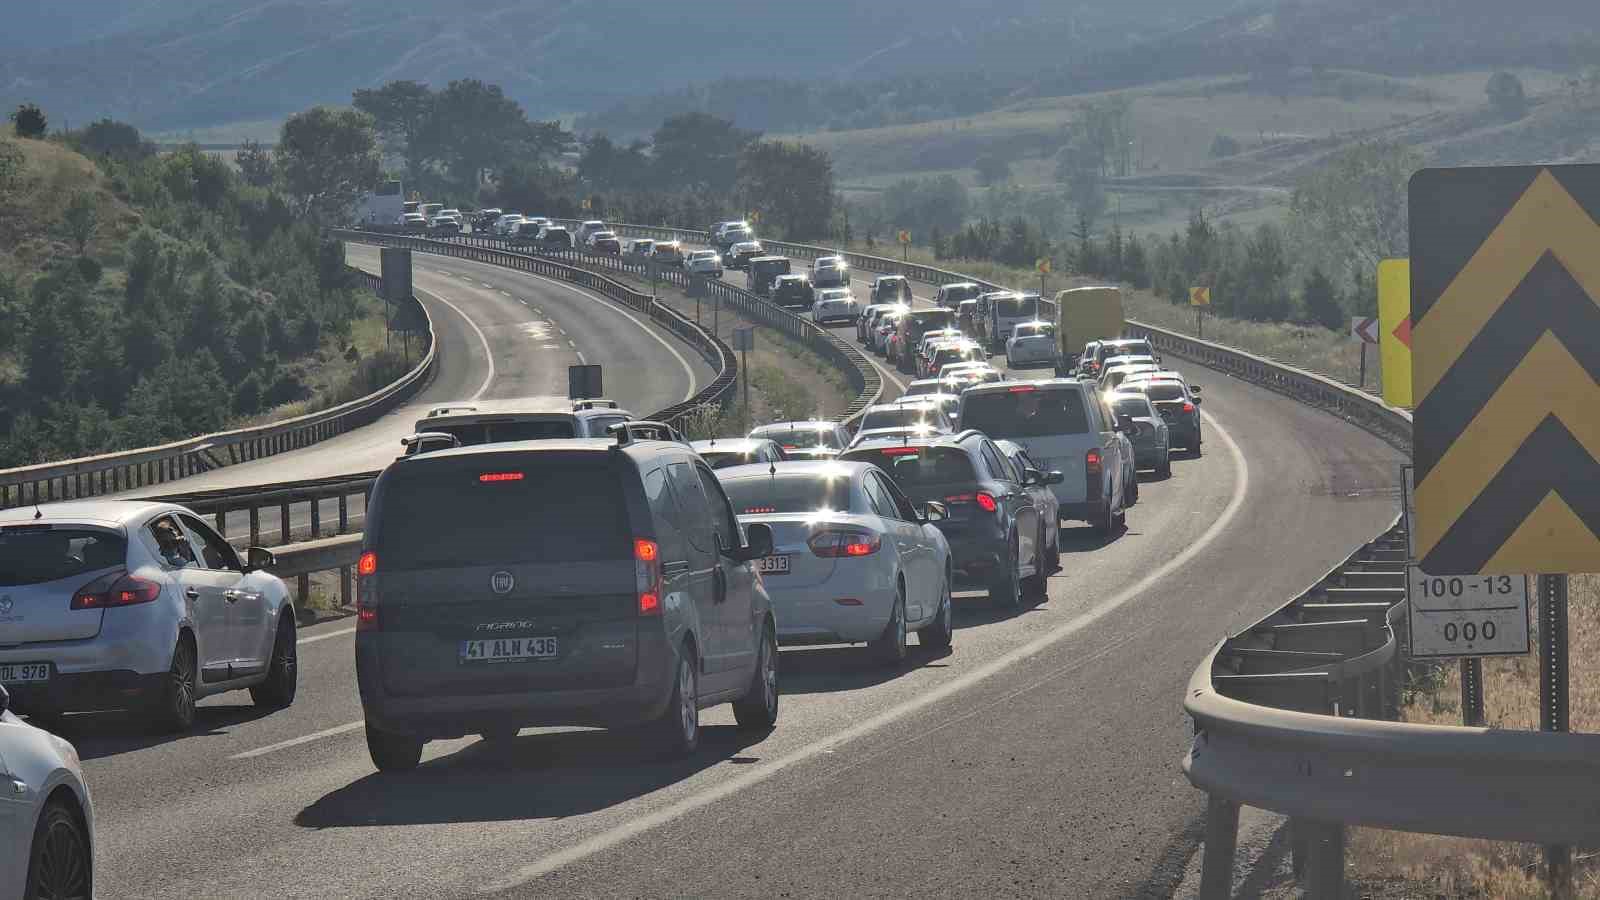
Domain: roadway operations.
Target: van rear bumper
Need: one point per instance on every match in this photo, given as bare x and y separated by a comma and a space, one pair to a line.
454, 715
1083, 512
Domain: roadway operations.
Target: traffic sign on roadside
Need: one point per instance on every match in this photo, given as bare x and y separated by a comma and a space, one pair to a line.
744, 337
1466, 615
1199, 296
1394, 330
1503, 287
905, 237
1365, 328
1043, 265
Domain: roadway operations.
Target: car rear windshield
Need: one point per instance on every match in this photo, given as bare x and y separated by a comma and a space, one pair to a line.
1133, 407
916, 466
502, 509
803, 438
788, 494
915, 390
32, 554
1126, 348
486, 432
726, 459
899, 417
924, 321
1159, 391
1035, 413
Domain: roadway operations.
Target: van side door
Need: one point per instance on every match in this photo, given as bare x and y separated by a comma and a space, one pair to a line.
736, 614
703, 584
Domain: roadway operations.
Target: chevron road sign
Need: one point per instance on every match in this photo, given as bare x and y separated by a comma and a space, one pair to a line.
1505, 294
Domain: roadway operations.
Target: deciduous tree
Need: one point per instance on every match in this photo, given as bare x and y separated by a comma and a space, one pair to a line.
327, 158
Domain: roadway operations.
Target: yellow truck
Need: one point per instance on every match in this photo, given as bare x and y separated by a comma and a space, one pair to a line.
1086, 314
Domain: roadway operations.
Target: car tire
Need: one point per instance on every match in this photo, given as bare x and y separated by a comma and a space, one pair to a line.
1164, 470
890, 647
392, 752
1054, 556
277, 690
677, 729
173, 710
1133, 488
1036, 586
60, 861
757, 710
1006, 591
1195, 450
1104, 520
941, 634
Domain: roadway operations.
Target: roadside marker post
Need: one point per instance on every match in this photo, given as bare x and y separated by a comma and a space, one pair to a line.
1365, 330
1200, 299
905, 245
1394, 330
1043, 264
744, 340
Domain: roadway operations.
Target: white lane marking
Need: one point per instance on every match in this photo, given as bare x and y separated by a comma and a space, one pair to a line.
322, 637
295, 742
581, 360
487, 284
688, 370
757, 774
572, 345
560, 329
483, 339
506, 293
522, 301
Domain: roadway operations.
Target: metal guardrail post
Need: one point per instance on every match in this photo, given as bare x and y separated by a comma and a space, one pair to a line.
344, 513
1325, 860
316, 517
1222, 840
1472, 691
255, 526
283, 521
1553, 704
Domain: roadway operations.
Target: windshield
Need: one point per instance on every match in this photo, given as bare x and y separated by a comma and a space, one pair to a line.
38, 554
923, 321
793, 493
1158, 391
509, 520
899, 417
1130, 406
917, 466
1008, 307
1025, 413
802, 438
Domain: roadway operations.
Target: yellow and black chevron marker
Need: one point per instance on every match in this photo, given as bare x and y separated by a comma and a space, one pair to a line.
1505, 296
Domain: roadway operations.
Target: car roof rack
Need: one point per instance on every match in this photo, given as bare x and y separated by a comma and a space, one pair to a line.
447, 409
594, 403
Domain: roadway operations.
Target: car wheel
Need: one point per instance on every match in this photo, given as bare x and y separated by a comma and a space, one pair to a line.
941, 633
678, 728
1006, 591
890, 647
757, 710
1133, 488
1053, 557
1104, 521
60, 863
174, 703
393, 752
1035, 586
1195, 450
1165, 469
277, 690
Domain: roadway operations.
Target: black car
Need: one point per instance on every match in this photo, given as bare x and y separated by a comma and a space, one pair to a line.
634, 600
1179, 405
996, 534
790, 291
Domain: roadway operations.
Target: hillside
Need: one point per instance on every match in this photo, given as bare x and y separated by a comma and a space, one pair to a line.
178, 64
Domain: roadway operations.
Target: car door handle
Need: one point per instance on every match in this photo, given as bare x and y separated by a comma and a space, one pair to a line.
191, 593
233, 596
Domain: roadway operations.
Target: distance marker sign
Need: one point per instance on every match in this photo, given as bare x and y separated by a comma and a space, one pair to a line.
1505, 276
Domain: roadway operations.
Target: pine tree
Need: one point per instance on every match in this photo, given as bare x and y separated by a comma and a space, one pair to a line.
1321, 299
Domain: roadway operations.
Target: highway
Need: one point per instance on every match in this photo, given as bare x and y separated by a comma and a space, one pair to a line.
1037, 758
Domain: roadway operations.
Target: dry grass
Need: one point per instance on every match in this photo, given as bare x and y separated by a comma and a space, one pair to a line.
1396, 864
31, 233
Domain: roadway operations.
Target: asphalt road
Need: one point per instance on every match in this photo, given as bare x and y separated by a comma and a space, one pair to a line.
502, 334
1038, 758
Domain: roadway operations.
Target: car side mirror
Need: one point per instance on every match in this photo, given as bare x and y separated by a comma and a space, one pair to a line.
1194, 388
1032, 477
258, 558
1196, 401
1124, 423
934, 511
758, 543
1054, 477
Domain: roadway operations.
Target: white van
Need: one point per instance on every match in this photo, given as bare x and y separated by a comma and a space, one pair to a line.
1065, 426
528, 419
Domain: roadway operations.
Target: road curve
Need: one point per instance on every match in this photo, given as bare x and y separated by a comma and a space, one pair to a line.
501, 334
1037, 758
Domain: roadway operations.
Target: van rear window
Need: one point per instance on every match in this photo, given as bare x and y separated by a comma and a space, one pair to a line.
531, 508
36, 555
1035, 413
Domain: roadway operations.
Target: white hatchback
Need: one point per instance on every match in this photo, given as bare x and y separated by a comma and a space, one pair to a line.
46, 816
853, 559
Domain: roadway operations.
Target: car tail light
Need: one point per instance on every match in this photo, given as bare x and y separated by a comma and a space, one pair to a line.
1188, 407
836, 544
1091, 462
367, 565
496, 477
367, 592
116, 589
901, 451
1022, 389
647, 576
986, 501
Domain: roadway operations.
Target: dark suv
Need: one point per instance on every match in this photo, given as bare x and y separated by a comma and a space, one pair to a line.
790, 291
560, 582
996, 536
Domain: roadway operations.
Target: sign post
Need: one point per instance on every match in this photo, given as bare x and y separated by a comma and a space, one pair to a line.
905, 244
1043, 264
1365, 330
744, 340
1506, 482
1200, 299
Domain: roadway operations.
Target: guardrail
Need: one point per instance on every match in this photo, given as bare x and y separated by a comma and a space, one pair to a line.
861, 374
123, 470
719, 392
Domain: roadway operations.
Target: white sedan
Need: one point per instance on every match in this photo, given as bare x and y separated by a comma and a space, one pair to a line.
853, 559
46, 817
834, 305
705, 262
1031, 344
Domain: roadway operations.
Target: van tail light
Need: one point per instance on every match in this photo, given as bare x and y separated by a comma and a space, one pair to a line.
116, 589
1188, 407
836, 544
647, 575
367, 592
1091, 462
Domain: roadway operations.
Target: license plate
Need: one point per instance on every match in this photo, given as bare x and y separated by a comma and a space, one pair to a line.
16, 673
773, 565
497, 650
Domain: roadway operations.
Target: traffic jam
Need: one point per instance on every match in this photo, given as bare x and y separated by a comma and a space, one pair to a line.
669, 573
